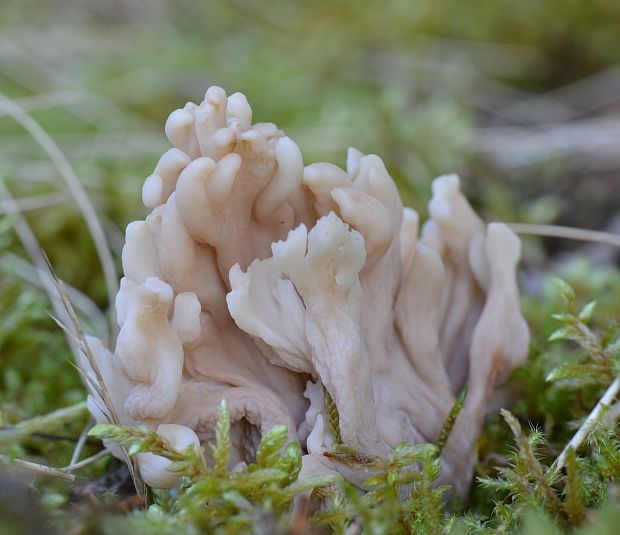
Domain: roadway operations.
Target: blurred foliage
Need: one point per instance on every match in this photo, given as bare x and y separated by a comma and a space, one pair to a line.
411, 81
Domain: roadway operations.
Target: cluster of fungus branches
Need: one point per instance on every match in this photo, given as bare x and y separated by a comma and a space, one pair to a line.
285, 288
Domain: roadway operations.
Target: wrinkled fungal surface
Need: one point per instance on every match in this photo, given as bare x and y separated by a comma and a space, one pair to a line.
270, 284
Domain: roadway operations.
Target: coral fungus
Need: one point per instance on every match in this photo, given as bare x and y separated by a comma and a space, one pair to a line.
271, 284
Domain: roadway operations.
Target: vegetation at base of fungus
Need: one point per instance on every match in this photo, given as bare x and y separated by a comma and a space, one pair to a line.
519, 490
213, 497
402, 496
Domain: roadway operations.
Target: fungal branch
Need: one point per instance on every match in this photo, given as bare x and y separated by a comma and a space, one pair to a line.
277, 286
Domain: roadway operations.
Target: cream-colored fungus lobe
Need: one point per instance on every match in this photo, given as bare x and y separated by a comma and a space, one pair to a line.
267, 283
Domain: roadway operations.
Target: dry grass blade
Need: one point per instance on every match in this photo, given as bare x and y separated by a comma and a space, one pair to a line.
41, 423
64, 473
81, 441
39, 469
53, 99
75, 187
37, 275
570, 233
614, 388
31, 245
586, 427
34, 202
99, 384
86, 462
101, 109
80, 336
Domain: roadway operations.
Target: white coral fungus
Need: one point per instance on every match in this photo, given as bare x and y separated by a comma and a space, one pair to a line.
267, 283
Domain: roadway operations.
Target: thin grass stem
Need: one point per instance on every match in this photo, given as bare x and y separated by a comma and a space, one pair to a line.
77, 191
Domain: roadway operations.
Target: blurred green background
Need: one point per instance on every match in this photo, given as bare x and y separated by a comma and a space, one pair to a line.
520, 98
